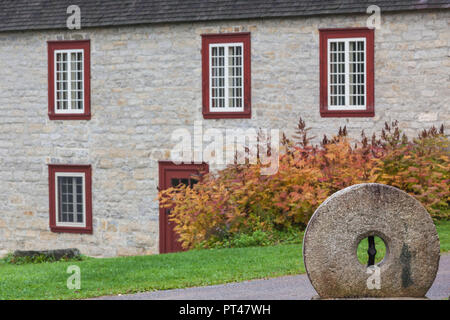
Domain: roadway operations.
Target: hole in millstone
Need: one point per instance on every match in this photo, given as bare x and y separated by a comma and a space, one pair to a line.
367, 255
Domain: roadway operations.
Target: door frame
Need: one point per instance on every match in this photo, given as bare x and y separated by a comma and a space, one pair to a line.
163, 168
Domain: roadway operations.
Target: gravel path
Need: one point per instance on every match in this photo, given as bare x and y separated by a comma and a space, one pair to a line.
282, 288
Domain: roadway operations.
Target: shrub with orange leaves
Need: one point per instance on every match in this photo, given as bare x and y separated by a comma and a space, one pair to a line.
420, 167
239, 200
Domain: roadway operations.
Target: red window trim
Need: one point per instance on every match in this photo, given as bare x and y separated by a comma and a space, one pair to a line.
326, 34
163, 166
86, 169
67, 45
207, 39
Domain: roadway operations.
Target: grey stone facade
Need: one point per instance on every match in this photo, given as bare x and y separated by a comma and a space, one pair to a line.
146, 82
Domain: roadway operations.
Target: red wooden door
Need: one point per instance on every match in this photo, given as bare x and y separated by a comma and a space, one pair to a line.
171, 175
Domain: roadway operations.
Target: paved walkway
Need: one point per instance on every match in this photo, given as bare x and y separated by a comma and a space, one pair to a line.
282, 288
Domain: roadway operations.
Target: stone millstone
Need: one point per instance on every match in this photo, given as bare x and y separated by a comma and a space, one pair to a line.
55, 254
351, 215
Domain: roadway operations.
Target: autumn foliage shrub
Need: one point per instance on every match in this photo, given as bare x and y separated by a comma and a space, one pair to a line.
239, 201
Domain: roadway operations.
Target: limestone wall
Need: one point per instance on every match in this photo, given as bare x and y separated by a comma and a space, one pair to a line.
146, 82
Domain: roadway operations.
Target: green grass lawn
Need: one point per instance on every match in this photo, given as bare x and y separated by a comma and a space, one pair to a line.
443, 229
364, 245
158, 272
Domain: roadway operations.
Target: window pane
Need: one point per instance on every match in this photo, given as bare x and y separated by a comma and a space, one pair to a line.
70, 199
346, 75
337, 73
193, 182
217, 74
61, 78
175, 182
226, 77
69, 80
235, 77
356, 73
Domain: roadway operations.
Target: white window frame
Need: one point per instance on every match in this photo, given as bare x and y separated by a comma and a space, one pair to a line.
347, 105
69, 110
226, 84
70, 224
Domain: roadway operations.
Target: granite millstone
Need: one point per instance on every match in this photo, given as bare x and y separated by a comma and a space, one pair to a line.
352, 214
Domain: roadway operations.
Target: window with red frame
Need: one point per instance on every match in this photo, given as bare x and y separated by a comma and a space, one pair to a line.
70, 194
69, 80
226, 75
347, 72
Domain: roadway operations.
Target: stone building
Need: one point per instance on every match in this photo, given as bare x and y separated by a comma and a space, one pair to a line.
89, 115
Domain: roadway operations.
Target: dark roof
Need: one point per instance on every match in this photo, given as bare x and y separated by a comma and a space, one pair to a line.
51, 14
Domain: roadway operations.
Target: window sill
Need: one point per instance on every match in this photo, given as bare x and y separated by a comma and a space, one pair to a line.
227, 115
346, 113
71, 229
69, 116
